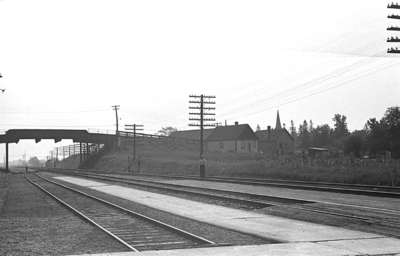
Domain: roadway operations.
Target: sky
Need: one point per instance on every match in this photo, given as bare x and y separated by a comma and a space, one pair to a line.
65, 63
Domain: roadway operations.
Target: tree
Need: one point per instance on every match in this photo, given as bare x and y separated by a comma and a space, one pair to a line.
258, 128
293, 131
166, 131
340, 124
304, 135
34, 162
355, 143
376, 136
391, 125
340, 132
321, 136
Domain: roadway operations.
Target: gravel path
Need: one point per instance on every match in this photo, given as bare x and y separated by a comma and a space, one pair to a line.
32, 223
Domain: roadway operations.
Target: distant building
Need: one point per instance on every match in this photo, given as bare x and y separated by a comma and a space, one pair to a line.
317, 152
232, 138
275, 142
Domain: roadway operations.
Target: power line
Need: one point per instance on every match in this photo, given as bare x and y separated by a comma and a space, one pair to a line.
326, 89
306, 85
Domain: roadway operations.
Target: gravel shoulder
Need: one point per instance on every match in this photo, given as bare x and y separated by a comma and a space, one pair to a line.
32, 223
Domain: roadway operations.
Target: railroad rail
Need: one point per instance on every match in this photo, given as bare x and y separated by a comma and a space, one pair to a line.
358, 189
135, 231
388, 218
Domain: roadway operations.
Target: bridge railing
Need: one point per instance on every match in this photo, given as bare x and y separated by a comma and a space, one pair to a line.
101, 131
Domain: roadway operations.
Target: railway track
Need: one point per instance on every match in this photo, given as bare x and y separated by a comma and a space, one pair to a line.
387, 218
135, 231
344, 188
390, 219
358, 189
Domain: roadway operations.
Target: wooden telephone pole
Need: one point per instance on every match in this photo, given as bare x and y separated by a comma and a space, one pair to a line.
134, 128
393, 39
116, 108
201, 103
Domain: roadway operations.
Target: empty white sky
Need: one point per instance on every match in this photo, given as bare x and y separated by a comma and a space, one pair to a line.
66, 62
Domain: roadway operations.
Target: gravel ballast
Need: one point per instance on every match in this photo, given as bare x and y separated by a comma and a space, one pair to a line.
33, 223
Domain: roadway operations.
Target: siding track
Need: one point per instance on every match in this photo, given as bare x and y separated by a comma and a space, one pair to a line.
136, 231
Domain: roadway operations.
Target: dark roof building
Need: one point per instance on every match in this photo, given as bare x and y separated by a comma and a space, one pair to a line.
232, 138
232, 132
191, 134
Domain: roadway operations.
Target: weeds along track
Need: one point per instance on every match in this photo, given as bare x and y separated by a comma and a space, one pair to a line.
136, 231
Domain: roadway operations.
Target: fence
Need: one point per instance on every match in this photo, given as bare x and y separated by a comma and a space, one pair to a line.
64, 152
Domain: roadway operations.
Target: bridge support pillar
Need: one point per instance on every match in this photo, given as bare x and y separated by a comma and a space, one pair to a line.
7, 157
80, 152
87, 150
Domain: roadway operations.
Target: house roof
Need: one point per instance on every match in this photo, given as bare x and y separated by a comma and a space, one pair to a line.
232, 132
191, 134
263, 134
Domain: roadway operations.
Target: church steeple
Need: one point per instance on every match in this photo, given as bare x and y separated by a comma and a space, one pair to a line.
278, 125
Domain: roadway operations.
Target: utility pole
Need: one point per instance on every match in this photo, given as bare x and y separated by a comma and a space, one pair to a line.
116, 108
134, 128
200, 104
391, 40
2, 89
56, 160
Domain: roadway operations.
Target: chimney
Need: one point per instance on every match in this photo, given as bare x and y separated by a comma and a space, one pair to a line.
236, 123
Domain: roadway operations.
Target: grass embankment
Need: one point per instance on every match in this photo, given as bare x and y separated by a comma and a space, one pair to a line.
174, 162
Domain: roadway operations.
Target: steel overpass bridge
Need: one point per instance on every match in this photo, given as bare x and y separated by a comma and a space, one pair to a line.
77, 136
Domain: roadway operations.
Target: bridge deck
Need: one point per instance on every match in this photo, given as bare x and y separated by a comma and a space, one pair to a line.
14, 135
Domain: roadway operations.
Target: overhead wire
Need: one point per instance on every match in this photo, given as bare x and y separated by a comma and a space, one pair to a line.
308, 84
370, 72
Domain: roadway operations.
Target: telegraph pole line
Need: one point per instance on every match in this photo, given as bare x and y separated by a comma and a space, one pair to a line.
201, 104
116, 108
134, 128
392, 39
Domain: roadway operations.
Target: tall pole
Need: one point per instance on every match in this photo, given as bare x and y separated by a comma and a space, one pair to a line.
7, 157
199, 116
393, 41
201, 125
2, 90
55, 161
116, 108
134, 128
80, 152
134, 142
